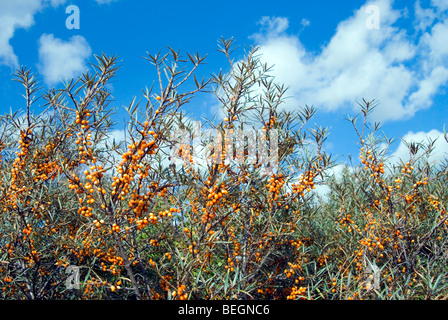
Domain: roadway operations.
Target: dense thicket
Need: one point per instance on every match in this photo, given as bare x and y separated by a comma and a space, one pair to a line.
139, 227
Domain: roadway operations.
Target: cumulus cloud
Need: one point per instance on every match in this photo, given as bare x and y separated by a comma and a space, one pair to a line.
403, 72
424, 17
56, 3
441, 5
336, 172
14, 15
61, 60
438, 155
100, 2
18, 14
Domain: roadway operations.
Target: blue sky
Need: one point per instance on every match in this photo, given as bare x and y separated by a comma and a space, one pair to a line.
323, 50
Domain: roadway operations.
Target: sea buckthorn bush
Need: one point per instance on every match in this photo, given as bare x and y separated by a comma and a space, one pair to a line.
140, 226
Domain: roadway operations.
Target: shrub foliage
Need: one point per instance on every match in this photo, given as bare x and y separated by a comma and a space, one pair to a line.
139, 227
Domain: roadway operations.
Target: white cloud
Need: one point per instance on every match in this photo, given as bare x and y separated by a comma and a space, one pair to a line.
118, 135
428, 87
441, 5
435, 42
439, 153
61, 60
14, 15
56, 3
17, 14
336, 172
305, 22
100, 2
425, 17
401, 72
274, 26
